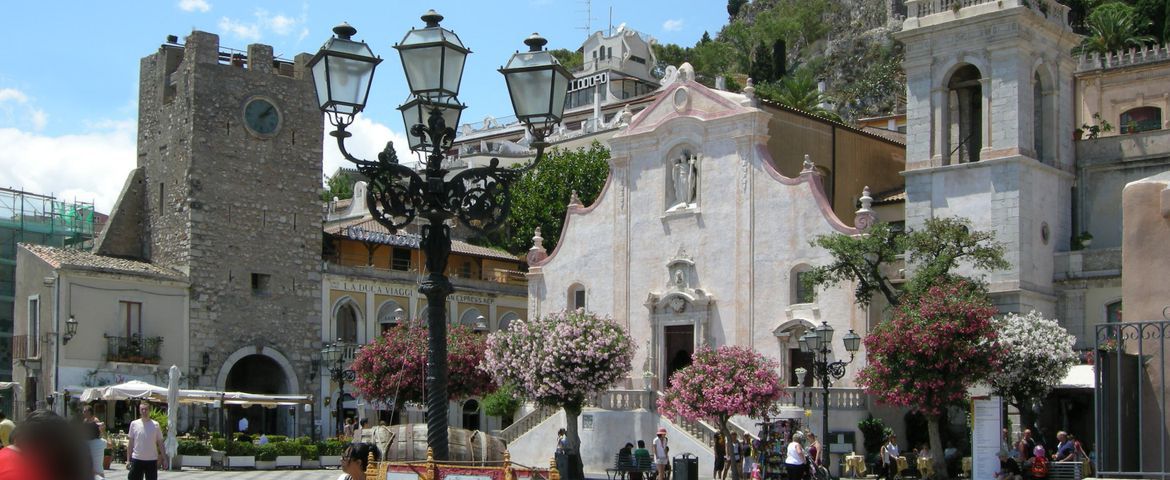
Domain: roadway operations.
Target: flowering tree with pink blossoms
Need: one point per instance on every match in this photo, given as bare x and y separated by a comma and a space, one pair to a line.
936, 346
393, 367
560, 360
721, 383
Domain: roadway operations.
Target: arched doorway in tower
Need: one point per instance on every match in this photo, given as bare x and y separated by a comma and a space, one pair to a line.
258, 374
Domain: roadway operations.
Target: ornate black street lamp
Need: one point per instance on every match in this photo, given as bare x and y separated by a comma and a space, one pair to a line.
819, 342
336, 355
433, 58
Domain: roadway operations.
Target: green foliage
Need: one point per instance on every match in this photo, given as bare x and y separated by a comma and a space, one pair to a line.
194, 447
160, 417
934, 251
541, 197
303, 440
800, 91
266, 452
874, 432
733, 8
331, 447
241, 449
1114, 26
1155, 13
277, 438
502, 402
571, 59
219, 444
340, 185
309, 452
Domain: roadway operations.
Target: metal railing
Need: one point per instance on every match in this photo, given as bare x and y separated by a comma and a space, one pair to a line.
1131, 399
133, 349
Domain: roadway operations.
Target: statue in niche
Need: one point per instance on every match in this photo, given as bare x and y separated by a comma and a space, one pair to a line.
680, 279
685, 174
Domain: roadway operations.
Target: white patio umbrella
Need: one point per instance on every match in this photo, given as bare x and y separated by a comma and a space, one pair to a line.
172, 444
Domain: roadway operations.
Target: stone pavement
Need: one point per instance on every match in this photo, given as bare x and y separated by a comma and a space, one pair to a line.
116, 473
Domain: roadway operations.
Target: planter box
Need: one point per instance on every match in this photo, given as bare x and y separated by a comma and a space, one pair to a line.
293, 461
265, 464
306, 463
203, 461
330, 461
240, 462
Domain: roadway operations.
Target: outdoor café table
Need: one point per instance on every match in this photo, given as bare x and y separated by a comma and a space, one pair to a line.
967, 466
925, 468
902, 465
856, 464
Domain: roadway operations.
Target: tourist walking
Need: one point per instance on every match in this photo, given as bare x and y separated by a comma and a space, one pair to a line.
92, 431
720, 456
890, 457
347, 430
661, 453
795, 459
145, 453
1065, 450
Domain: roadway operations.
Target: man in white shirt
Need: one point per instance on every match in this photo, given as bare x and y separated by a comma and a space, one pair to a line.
661, 450
145, 453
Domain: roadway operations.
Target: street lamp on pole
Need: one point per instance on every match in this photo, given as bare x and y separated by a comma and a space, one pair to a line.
336, 355
433, 59
819, 342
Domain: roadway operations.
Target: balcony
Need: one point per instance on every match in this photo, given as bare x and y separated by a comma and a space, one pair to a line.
20, 348
133, 349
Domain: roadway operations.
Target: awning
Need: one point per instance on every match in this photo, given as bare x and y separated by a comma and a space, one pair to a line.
136, 390
1079, 376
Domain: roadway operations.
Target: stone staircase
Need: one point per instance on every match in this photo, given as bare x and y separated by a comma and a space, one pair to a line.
526, 423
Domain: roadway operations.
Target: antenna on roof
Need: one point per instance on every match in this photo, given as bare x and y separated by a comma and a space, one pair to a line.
588, 17
610, 21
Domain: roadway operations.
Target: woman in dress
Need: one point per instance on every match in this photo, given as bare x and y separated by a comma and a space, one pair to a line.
92, 430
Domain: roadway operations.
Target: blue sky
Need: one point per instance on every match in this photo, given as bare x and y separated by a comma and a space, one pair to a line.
69, 74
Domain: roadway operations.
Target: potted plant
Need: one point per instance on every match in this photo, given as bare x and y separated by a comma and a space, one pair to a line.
288, 454
218, 448
240, 455
108, 458
266, 456
1082, 241
330, 452
193, 453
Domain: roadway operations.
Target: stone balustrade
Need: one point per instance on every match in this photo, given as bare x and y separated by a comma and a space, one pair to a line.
1124, 58
839, 398
523, 424
917, 9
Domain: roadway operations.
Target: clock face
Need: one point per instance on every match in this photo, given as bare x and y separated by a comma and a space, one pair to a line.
262, 117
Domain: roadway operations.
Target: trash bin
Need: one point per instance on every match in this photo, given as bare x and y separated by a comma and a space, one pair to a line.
686, 467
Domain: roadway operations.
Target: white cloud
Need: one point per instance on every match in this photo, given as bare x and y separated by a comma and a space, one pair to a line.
12, 95
672, 25
266, 22
89, 166
194, 5
246, 31
369, 138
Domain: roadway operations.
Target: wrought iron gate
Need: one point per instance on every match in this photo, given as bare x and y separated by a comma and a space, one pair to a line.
1133, 436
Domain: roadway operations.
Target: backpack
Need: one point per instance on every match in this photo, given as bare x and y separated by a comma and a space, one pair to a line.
1039, 467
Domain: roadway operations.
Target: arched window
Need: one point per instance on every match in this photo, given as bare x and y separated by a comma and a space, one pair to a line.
471, 415
1043, 113
506, 320
964, 125
390, 315
1141, 119
346, 320
801, 291
576, 296
422, 315
473, 319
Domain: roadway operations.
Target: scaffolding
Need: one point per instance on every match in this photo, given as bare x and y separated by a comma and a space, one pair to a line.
40, 219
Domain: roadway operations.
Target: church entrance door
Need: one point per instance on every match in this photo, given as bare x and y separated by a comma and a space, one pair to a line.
680, 345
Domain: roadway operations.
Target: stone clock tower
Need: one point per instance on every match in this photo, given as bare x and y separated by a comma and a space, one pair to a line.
226, 191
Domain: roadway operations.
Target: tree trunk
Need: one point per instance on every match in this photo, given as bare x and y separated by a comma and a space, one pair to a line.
736, 470
1028, 419
936, 448
573, 461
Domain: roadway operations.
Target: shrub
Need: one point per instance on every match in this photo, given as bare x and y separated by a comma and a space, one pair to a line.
194, 447
331, 447
309, 452
287, 448
218, 444
277, 438
241, 449
266, 452
303, 440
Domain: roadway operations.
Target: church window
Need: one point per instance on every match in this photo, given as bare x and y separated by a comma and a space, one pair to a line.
964, 125
577, 296
1141, 119
802, 290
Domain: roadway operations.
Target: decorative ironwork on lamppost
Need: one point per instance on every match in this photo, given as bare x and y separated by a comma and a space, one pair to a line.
433, 59
819, 342
336, 355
